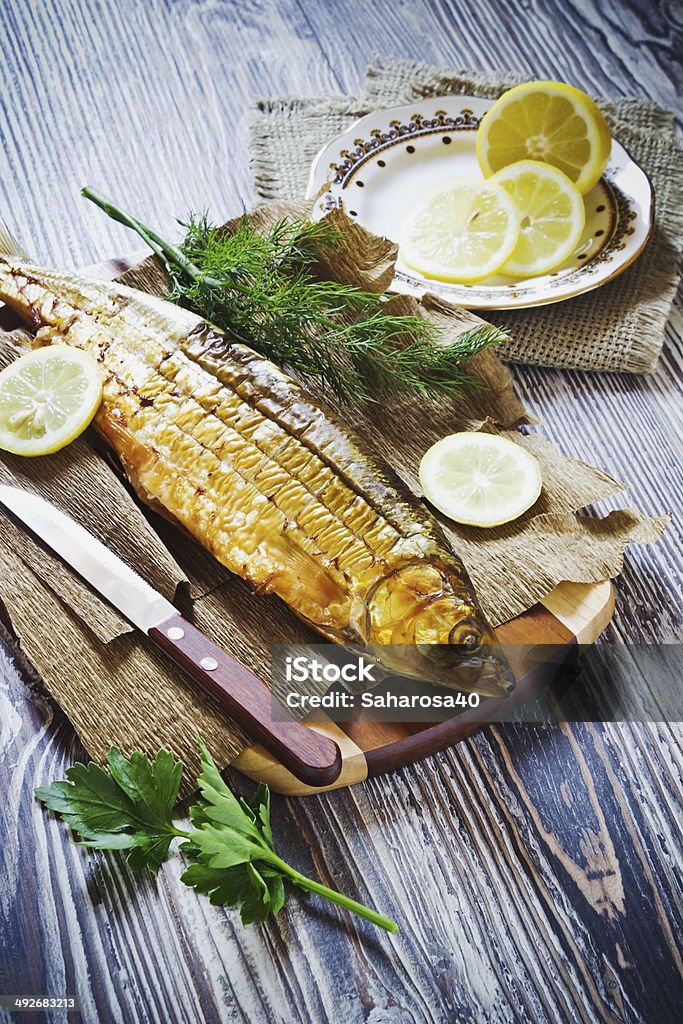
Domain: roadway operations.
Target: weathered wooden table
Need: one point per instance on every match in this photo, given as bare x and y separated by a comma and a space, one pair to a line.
535, 871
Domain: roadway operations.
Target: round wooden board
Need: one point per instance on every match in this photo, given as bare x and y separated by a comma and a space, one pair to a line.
573, 613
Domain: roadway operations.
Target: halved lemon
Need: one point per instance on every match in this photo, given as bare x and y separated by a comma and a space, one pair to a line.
547, 121
553, 215
47, 398
480, 479
463, 230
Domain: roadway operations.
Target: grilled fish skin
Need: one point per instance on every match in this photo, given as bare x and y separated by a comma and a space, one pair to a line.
267, 478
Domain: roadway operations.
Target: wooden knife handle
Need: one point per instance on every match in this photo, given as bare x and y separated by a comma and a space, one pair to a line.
313, 758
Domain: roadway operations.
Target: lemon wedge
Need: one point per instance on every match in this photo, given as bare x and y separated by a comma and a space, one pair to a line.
547, 121
480, 479
553, 215
463, 230
47, 398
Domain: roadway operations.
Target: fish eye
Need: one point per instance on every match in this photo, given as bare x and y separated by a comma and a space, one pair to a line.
466, 636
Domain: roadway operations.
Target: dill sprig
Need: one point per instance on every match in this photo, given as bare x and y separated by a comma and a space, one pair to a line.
262, 288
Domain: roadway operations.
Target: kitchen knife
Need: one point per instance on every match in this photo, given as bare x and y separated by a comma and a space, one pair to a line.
313, 758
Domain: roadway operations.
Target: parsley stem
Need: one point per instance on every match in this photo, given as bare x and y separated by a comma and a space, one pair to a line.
335, 897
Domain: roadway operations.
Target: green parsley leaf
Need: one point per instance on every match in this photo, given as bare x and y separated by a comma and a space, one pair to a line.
220, 806
256, 905
258, 893
261, 804
127, 808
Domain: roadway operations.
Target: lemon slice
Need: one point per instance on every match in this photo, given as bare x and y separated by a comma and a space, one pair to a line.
553, 215
547, 121
480, 479
47, 398
463, 231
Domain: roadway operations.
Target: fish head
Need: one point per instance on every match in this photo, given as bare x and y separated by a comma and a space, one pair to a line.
428, 615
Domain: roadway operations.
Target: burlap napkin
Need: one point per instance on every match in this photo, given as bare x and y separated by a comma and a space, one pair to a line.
621, 325
109, 680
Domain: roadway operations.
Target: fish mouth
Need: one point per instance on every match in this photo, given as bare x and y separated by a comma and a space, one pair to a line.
494, 673
487, 673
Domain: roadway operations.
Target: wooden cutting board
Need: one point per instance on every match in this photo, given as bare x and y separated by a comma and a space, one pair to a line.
573, 613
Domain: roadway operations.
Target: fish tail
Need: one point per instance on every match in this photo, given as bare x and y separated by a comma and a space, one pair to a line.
9, 246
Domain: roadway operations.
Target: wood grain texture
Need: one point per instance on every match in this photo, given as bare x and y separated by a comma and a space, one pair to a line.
536, 871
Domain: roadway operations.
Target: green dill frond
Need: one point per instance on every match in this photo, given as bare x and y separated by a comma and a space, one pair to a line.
260, 286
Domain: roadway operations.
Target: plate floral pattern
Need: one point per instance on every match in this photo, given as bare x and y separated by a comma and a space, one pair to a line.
383, 164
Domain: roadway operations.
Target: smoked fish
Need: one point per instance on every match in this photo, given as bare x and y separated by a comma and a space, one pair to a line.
266, 478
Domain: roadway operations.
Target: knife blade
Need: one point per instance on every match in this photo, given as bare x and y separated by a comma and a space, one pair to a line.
310, 756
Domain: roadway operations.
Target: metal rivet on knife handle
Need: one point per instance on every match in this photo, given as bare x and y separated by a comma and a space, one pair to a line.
313, 758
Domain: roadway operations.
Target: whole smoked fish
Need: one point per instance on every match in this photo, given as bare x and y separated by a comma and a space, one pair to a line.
266, 478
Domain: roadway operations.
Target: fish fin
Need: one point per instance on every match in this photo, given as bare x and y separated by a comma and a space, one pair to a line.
9, 246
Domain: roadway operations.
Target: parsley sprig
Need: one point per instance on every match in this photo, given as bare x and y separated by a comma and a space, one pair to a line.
231, 850
262, 287
127, 808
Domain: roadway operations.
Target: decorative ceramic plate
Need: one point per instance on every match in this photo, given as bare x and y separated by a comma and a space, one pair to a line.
380, 168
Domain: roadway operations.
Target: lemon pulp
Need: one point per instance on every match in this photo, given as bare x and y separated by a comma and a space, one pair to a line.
480, 479
553, 216
547, 121
47, 398
463, 231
